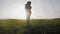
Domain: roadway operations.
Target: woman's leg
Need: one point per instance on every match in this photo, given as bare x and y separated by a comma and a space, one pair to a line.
28, 17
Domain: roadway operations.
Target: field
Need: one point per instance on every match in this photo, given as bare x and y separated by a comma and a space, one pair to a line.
37, 26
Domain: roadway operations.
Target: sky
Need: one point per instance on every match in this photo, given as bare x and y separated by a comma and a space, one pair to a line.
41, 9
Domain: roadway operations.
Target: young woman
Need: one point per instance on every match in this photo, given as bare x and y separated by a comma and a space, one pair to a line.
28, 10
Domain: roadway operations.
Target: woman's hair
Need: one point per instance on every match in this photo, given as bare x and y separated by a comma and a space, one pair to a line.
29, 2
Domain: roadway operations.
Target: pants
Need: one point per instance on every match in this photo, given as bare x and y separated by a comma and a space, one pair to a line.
28, 14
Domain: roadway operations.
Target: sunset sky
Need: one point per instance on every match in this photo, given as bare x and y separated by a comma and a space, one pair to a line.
41, 9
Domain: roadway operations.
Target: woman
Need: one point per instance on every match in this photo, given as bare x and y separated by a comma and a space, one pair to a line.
28, 10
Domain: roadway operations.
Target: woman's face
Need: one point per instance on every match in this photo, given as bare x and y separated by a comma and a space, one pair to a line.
29, 3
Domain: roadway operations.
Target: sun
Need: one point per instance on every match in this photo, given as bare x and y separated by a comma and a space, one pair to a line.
22, 13
19, 12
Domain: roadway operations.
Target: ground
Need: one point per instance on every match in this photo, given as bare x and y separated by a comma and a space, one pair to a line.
37, 26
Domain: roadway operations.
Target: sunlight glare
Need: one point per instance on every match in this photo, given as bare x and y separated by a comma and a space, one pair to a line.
20, 13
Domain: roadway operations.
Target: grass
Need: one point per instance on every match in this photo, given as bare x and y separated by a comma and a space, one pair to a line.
37, 26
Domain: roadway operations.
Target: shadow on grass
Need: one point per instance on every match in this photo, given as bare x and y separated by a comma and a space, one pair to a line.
44, 29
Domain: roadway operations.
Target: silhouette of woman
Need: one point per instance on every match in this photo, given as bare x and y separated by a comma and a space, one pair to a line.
28, 10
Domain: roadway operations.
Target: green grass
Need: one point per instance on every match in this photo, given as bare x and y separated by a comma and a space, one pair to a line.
17, 26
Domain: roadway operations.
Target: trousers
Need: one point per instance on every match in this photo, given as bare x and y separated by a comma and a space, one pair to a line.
28, 14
